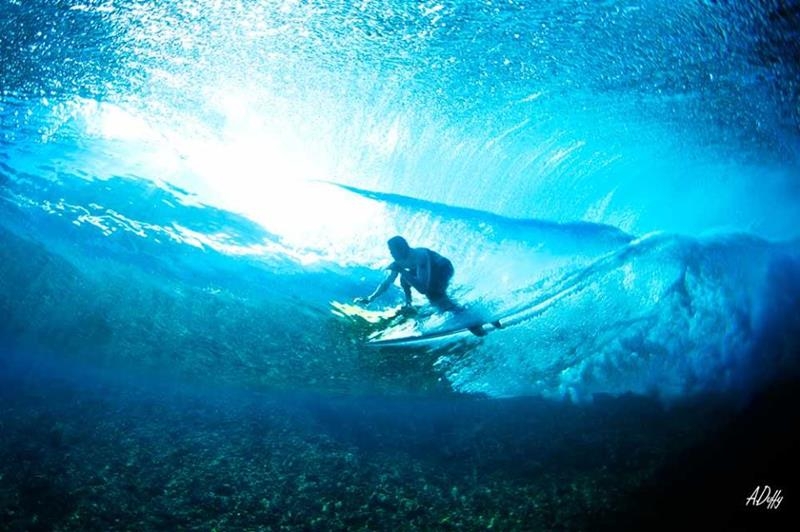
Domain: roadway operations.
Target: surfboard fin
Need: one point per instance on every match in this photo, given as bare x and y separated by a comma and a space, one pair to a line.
477, 330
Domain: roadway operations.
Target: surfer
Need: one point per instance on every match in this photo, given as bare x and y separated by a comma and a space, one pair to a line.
421, 268
428, 273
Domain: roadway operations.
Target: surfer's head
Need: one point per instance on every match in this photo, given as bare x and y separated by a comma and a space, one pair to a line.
398, 247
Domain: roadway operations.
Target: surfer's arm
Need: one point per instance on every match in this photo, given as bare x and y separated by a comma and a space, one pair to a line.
407, 292
391, 275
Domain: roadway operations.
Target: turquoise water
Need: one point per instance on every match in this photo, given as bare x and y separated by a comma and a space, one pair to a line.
185, 186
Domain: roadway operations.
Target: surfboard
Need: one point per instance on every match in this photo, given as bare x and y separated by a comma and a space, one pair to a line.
395, 327
446, 333
466, 324
432, 326
399, 321
364, 315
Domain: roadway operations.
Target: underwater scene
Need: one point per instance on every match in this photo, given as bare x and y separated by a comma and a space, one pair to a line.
202, 326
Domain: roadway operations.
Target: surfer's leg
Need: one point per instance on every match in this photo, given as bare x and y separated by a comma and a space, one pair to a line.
437, 294
443, 303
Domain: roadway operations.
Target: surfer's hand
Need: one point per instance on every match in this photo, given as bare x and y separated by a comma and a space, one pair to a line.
363, 300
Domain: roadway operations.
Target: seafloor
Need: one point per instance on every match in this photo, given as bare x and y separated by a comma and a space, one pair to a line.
88, 450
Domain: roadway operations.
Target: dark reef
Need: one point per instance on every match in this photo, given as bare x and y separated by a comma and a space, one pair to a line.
89, 450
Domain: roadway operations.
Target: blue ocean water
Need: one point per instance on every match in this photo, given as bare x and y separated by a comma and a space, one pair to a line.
186, 185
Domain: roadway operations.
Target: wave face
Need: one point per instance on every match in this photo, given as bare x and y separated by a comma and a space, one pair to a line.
186, 185
215, 296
